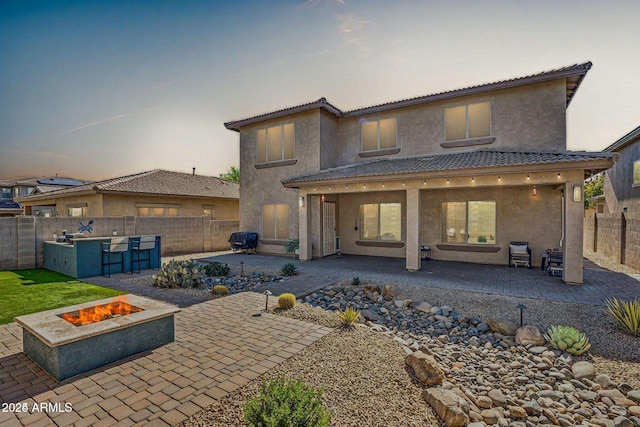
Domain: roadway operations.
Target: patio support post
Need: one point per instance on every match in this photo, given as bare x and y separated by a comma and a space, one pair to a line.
573, 217
412, 239
304, 227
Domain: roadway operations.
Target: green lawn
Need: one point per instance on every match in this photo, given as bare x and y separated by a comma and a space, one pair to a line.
31, 291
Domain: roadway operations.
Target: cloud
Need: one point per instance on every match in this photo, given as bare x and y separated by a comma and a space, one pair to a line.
310, 4
90, 124
161, 85
352, 29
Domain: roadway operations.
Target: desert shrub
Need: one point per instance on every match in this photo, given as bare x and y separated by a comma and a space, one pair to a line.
220, 290
178, 274
216, 269
286, 301
292, 246
349, 317
567, 339
289, 269
286, 403
626, 314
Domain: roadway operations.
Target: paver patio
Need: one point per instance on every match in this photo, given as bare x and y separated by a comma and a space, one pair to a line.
219, 347
599, 284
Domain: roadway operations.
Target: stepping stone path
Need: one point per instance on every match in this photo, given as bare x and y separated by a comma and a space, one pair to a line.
487, 379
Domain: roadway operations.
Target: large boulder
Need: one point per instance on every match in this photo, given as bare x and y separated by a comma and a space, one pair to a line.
503, 326
450, 407
425, 367
529, 335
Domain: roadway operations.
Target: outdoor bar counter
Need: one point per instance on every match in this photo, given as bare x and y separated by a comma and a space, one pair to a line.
82, 257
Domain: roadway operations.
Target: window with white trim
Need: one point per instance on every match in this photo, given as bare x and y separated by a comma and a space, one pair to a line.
276, 143
381, 221
469, 222
378, 134
467, 121
275, 222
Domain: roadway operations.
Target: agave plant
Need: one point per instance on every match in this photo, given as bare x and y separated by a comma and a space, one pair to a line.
348, 317
626, 314
567, 339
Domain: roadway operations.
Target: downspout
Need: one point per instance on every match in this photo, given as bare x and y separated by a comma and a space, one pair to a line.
563, 221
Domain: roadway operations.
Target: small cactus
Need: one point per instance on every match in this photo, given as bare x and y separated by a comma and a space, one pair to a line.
567, 339
220, 290
355, 281
178, 274
286, 301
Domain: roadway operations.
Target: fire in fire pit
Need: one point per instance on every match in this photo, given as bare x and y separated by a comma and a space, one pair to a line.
98, 313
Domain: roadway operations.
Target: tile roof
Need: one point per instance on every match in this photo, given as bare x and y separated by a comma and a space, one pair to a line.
478, 159
574, 74
158, 182
632, 136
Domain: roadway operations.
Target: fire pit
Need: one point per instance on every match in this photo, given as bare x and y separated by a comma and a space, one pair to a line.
68, 341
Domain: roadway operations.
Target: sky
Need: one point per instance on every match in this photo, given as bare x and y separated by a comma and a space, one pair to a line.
99, 89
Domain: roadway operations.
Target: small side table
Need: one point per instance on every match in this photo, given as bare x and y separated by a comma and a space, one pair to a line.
425, 251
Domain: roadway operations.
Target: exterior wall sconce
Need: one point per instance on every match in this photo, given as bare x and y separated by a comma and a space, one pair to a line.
425, 182
558, 175
301, 201
364, 185
403, 183
448, 180
322, 198
534, 192
521, 307
383, 185
473, 179
499, 178
577, 193
528, 177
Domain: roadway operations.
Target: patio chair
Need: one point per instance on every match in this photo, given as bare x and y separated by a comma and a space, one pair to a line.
142, 245
519, 254
118, 246
555, 262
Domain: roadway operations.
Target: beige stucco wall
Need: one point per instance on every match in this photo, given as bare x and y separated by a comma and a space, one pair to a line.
126, 205
532, 116
349, 215
263, 186
519, 217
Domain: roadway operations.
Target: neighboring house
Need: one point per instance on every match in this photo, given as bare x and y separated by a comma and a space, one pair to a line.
153, 193
464, 172
14, 188
622, 181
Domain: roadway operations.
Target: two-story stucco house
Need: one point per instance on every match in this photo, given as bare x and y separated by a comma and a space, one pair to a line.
465, 172
622, 181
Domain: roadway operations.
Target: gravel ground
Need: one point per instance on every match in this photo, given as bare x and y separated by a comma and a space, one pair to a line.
608, 263
362, 374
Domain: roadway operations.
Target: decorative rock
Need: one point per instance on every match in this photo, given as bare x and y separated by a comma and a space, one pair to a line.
490, 416
498, 398
532, 408
503, 326
425, 367
606, 382
484, 402
583, 370
476, 424
450, 407
517, 412
622, 422
370, 315
611, 394
529, 335
634, 395
634, 410
422, 306
538, 350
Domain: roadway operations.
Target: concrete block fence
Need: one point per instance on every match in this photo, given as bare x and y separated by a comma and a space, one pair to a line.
615, 235
22, 238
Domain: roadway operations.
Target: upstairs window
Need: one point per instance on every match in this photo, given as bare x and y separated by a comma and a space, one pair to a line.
275, 222
467, 121
378, 134
6, 192
276, 143
636, 172
469, 222
381, 221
